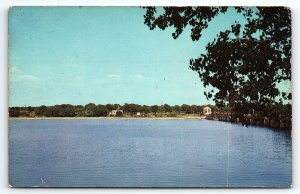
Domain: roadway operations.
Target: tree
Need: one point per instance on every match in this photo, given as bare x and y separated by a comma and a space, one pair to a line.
41, 110
109, 107
145, 109
167, 108
30, 109
116, 106
79, 111
90, 109
14, 111
194, 109
100, 110
199, 109
65, 110
244, 63
155, 109
132, 108
119, 113
186, 108
177, 108
52, 111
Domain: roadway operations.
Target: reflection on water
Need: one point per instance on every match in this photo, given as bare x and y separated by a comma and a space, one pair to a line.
147, 153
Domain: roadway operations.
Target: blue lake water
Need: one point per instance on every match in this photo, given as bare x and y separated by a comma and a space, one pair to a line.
147, 153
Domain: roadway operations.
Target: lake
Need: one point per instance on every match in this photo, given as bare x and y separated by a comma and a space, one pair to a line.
147, 153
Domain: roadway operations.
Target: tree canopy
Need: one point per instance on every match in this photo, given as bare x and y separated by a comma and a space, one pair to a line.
100, 110
245, 63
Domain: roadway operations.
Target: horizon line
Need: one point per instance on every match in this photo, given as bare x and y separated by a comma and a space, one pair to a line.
113, 104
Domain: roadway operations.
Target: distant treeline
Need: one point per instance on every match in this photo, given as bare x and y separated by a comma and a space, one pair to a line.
277, 114
93, 110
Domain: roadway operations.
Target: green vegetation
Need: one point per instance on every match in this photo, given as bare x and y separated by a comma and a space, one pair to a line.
276, 115
93, 110
246, 63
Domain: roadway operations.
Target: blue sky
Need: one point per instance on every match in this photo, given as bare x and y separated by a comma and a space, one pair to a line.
78, 55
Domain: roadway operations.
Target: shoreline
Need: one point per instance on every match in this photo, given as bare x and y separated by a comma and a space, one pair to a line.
105, 118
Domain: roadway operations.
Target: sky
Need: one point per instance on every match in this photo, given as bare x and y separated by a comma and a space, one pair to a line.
102, 55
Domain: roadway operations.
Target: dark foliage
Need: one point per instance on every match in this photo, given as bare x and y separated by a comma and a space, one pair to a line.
244, 63
93, 110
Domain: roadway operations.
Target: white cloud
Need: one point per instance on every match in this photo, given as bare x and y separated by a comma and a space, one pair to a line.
14, 70
17, 75
139, 77
113, 76
28, 77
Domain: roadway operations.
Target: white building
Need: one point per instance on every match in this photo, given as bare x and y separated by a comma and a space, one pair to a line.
206, 111
114, 112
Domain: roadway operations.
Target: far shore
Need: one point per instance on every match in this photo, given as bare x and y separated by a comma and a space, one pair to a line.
103, 118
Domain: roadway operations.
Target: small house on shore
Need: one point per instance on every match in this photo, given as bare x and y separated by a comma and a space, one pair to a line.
206, 111
115, 112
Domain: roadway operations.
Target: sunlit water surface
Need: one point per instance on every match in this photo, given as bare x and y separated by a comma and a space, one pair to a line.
147, 153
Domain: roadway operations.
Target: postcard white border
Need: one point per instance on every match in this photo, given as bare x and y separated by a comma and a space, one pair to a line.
5, 4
